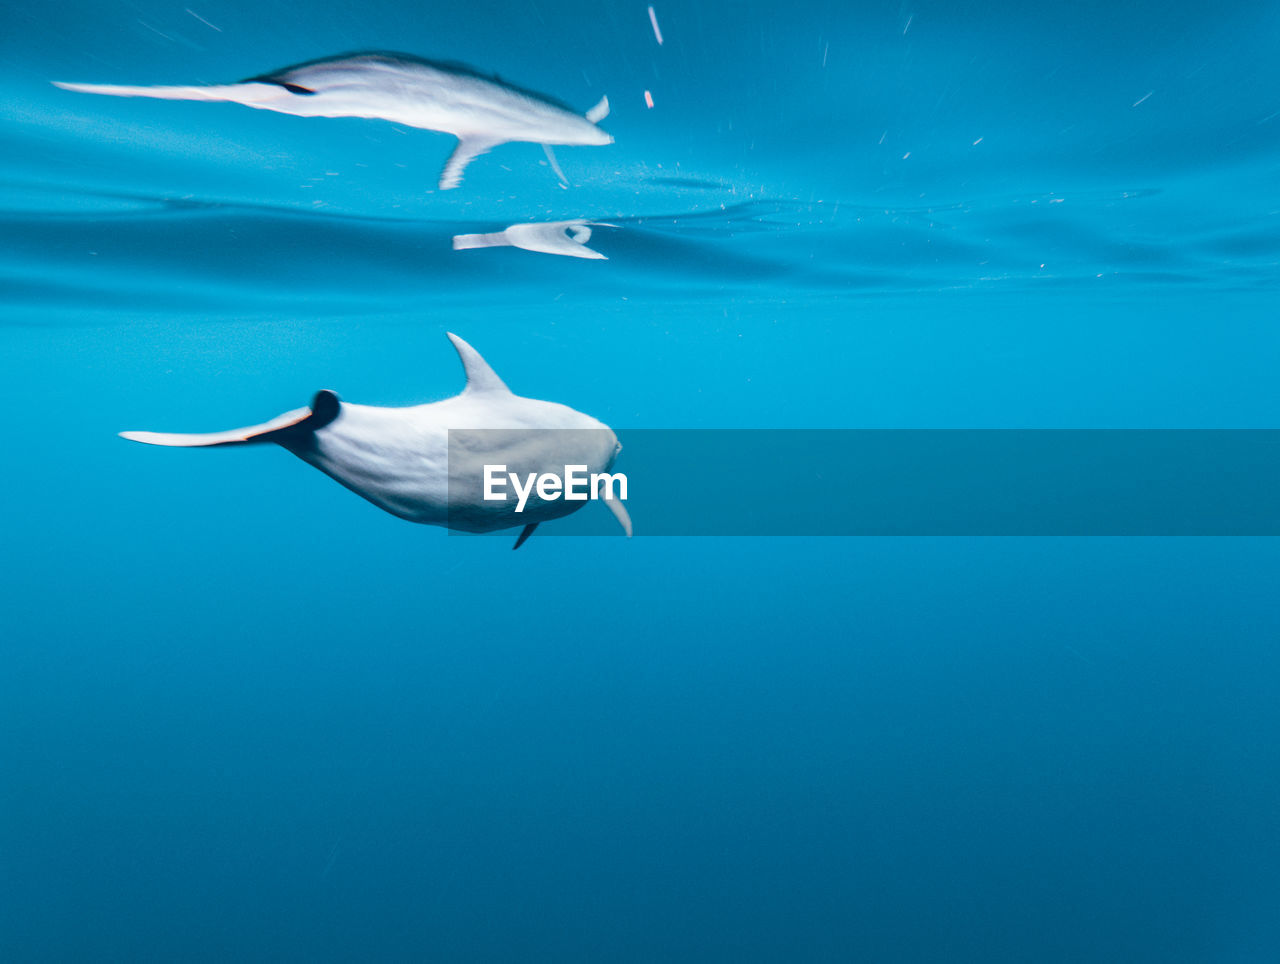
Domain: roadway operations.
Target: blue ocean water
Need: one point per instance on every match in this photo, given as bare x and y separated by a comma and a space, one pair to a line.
246, 716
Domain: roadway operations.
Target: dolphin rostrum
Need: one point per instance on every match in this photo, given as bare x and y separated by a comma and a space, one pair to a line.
482, 112
429, 463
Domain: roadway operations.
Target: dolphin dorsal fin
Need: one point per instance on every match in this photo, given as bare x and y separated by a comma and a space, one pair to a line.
468, 149
480, 377
599, 112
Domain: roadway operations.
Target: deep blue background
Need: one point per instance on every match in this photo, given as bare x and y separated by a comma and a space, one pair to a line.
245, 716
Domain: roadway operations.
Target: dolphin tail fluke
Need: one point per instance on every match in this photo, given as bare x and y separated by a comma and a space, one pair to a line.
247, 93
599, 112
468, 149
525, 533
324, 409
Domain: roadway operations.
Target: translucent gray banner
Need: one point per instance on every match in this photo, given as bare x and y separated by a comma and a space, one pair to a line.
708, 482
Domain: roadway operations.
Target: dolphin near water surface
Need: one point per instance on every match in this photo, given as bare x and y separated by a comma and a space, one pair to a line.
482, 112
567, 238
405, 461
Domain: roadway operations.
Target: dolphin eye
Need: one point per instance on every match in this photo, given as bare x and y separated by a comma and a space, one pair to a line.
297, 89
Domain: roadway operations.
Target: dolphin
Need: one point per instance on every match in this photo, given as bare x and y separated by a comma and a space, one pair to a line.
482, 112
406, 461
568, 238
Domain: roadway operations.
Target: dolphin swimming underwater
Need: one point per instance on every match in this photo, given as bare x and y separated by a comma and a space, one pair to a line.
482, 112
400, 458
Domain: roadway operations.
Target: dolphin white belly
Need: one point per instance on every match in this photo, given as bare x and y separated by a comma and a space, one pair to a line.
482, 112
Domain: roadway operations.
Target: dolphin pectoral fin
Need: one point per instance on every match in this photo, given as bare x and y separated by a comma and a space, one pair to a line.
250, 93
620, 513
468, 149
555, 166
599, 112
525, 533
617, 508
324, 409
